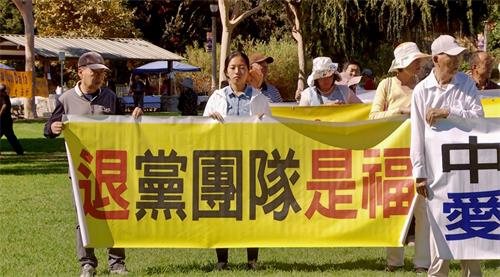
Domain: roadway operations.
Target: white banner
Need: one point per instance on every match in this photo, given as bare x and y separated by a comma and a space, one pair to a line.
464, 173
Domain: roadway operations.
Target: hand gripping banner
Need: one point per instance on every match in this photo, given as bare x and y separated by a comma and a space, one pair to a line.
276, 182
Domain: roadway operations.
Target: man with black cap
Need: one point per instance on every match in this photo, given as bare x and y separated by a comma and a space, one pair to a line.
88, 97
261, 62
445, 93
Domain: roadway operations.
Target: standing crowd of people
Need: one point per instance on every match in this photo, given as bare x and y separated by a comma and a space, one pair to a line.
443, 93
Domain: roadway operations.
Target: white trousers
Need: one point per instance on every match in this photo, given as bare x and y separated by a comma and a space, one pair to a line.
440, 267
422, 258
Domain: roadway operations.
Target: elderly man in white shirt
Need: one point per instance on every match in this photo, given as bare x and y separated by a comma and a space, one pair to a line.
444, 93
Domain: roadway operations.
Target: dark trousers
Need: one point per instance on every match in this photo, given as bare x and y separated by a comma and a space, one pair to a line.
7, 130
87, 256
223, 253
138, 100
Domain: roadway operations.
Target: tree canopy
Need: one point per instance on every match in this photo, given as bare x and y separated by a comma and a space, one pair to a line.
11, 21
90, 18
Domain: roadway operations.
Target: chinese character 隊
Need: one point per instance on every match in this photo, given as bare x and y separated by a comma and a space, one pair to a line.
281, 189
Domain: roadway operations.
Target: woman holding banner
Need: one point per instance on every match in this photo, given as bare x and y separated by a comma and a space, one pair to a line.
240, 98
322, 88
393, 97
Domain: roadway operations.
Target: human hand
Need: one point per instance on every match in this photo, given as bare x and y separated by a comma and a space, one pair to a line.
334, 103
56, 127
404, 110
137, 112
217, 116
422, 188
255, 76
434, 114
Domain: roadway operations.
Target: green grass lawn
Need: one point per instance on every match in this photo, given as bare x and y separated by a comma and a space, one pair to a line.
37, 230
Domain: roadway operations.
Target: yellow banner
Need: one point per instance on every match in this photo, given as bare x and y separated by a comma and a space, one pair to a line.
340, 113
193, 182
491, 107
356, 112
19, 83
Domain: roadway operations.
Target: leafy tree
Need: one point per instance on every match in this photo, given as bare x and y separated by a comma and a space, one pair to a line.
232, 13
91, 18
172, 24
11, 21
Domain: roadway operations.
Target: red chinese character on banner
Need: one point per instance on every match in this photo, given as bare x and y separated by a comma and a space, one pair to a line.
330, 167
111, 170
393, 189
372, 184
399, 188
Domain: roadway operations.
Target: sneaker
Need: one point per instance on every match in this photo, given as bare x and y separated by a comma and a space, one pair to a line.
421, 270
118, 269
221, 266
87, 271
252, 265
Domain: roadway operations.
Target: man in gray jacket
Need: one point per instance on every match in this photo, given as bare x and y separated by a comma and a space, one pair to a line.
89, 98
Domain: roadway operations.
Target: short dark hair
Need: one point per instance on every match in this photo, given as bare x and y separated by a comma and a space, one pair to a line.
349, 62
234, 55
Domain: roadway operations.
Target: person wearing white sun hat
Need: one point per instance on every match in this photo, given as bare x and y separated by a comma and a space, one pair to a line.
393, 97
322, 88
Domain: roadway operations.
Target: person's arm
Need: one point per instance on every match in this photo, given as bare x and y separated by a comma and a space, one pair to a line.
417, 149
473, 107
3, 109
380, 101
352, 98
53, 126
305, 98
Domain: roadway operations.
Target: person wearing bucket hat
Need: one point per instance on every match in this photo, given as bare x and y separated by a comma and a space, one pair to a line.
322, 88
88, 97
393, 97
270, 91
444, 93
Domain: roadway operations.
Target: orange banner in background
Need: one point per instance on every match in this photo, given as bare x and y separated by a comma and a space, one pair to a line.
19, 83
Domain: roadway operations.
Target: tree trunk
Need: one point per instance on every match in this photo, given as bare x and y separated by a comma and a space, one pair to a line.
294, 7
225, 47
26, 9
228, 25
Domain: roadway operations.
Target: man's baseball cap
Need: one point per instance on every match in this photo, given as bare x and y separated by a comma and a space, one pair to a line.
446, 44
259, 57
92, 60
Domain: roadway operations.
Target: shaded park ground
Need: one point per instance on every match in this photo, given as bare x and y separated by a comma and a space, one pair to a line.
37, 230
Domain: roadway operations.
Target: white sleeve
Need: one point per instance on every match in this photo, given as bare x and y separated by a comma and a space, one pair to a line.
417, 149
305, 98
472, 108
